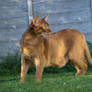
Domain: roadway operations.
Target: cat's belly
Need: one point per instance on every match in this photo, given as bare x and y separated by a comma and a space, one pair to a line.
56, 56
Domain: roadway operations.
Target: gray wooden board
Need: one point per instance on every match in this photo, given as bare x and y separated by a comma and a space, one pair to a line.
62, 14
7, 15
13, 22
8, 47
12, 8
82, 15
82, 26
71, 1
12, 34
13, 3
60, 5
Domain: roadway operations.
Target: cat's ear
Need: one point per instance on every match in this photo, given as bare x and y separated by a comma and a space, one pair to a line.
36, 21
45, 18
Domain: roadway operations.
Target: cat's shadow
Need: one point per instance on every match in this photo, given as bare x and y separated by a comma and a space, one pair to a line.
8, 80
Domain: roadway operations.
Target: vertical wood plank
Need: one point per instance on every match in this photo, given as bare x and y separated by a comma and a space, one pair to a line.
30, 10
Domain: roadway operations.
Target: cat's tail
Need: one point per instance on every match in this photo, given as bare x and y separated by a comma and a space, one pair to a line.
86, 51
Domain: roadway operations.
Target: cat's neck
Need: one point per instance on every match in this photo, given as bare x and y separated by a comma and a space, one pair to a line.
31, 35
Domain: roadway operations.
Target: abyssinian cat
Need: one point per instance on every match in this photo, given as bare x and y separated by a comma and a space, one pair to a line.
55, 49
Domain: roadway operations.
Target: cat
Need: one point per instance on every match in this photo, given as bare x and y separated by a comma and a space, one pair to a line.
55, 49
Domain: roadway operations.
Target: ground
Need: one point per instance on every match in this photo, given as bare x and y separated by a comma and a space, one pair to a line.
52, 82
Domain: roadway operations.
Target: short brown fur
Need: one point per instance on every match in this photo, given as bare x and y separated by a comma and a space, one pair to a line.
56, 49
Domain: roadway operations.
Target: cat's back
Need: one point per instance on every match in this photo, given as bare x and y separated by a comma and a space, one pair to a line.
66, 32
67, 37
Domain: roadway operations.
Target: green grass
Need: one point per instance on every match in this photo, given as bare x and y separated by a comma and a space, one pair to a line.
57, 82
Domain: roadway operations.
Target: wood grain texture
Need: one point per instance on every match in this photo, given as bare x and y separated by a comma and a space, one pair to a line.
13, 22
8, 47
14, 15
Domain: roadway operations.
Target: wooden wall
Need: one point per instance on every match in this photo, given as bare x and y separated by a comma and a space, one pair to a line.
15, 16
13, 22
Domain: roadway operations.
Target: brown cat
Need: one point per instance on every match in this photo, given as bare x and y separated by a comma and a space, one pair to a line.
55, 49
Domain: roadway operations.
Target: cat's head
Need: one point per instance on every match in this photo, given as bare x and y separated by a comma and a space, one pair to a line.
40, 25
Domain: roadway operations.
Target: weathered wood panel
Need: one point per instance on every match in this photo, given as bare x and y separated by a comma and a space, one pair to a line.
13, 22
8, 47
12, 34
79, 15
14, 15
63, 14
59, 5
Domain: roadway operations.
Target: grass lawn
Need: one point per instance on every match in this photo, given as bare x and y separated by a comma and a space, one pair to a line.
52, 82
